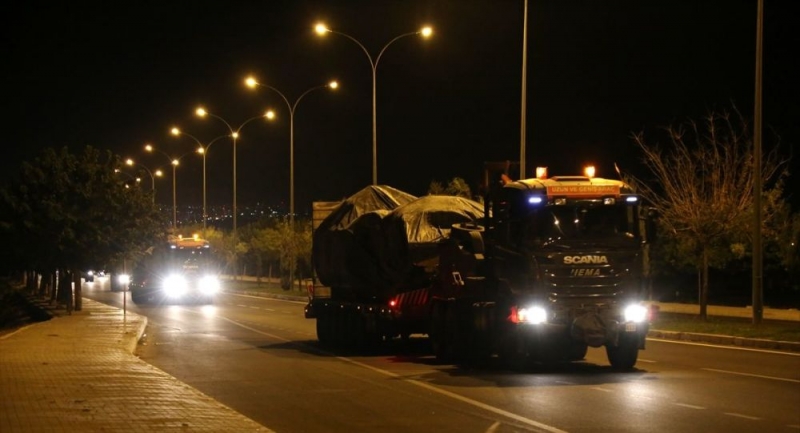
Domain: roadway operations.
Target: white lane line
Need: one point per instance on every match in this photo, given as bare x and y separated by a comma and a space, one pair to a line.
782, 379
271, 299
719, 346
458, 397
738, 415
646, 360
690, 406
597, 388
432, 388
493, 427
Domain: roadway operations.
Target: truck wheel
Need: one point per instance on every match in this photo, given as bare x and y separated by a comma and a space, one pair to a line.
577, 351
136, 297
324, 324
452, 335
438, 343
623, 356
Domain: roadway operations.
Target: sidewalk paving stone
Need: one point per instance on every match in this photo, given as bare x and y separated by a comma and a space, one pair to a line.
77, 373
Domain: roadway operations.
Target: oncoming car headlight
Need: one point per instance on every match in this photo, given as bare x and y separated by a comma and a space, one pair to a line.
209, 285
635, 313
175, 286
533, 315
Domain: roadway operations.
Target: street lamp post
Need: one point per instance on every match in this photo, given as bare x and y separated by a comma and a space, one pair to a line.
253, 83
202, 150
426, 32
174, 162
234, 134
153, 175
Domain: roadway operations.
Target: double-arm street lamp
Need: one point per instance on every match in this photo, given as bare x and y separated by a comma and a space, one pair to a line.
253, 83
202, 150
425, 32
153, 175
234, 134
174, 162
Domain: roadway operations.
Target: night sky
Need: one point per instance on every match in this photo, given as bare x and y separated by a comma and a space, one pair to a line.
119, 75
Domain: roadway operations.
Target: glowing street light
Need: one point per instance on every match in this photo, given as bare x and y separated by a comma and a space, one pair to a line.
153, 175
174, 162
253, 83
425, 32
234, 134
202, 150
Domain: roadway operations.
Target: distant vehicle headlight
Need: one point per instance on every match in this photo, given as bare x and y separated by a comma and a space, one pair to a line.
90, 273
533, 315
635, 313
209, 285
175, 286
123, 279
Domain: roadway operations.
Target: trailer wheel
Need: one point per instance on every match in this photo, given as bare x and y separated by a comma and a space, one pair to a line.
452, 335
623, 356
437, 335
324, 329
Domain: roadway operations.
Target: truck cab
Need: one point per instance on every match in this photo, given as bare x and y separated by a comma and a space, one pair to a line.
557, 267
181, 270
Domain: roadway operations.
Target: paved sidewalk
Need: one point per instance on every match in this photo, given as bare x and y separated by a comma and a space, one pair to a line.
77, 373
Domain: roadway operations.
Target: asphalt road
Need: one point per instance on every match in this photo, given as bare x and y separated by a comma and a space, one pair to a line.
260, 357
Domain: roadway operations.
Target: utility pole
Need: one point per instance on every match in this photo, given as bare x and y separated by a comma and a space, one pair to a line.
758, 288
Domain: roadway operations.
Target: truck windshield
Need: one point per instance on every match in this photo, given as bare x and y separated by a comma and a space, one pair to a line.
581, 222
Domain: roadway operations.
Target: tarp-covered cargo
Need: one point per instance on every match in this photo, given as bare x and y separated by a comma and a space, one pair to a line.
380, 240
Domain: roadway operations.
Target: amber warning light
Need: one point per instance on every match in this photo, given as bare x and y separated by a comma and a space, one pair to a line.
583, 190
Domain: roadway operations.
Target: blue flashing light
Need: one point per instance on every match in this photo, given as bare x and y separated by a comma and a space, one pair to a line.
535, 200
631, 199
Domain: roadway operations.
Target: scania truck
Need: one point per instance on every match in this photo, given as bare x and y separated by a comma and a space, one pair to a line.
554, 265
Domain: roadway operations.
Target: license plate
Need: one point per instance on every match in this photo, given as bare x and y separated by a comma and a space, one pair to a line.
630, 327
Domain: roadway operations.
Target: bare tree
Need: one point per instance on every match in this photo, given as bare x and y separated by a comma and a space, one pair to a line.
702, 185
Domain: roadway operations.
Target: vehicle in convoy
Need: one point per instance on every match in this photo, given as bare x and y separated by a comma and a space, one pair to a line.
550, 267
88, 275
183, 270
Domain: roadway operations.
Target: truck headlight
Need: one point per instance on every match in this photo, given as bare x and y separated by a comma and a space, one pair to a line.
175, 286
209, 285
635, 313
533, 315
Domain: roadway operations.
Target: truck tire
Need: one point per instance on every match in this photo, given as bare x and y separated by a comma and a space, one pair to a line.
623, 356
438, 343
453, 335
136, 297
324, 334
577, 351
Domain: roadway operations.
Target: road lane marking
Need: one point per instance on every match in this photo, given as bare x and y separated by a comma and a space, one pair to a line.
719, 346
493, 428
783, 379
458, 397
418, 383
690, 406
738, 415
647, 360
597, 388
270, 299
